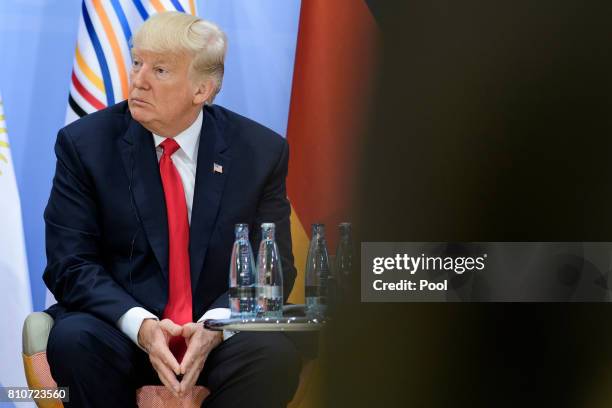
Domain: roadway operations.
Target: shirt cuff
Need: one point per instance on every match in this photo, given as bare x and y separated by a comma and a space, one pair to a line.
218, 313
131, 321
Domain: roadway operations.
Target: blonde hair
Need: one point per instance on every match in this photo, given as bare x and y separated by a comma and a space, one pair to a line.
174, 32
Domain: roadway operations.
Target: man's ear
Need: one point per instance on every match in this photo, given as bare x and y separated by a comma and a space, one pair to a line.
204, 91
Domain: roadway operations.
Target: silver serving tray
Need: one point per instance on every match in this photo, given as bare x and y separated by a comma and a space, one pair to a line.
263, 324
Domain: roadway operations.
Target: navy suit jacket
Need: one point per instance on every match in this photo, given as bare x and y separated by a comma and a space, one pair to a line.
106, 223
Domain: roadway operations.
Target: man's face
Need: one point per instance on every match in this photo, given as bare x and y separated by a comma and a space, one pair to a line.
162, 96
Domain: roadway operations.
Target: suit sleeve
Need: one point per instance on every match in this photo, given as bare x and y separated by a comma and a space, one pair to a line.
75, 273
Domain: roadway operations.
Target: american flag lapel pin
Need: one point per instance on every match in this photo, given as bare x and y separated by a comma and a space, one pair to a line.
217, 168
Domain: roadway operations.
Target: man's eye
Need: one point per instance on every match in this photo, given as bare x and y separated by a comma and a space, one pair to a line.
161, 71
136, 64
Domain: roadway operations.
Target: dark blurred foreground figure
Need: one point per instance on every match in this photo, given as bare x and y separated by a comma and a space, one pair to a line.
491, 123
139, 231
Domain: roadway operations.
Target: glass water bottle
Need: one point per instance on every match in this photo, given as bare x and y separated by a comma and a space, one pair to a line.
317, 273
242, 276
344, 259
269, 275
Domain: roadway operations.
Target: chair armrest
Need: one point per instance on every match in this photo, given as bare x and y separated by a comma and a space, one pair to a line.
36, 329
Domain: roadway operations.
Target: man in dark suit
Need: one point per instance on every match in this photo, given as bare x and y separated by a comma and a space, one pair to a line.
139, 231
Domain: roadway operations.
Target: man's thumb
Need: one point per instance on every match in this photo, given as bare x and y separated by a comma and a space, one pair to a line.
188, 329
171, 327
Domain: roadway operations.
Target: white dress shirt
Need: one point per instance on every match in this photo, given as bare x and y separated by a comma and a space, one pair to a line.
185, 160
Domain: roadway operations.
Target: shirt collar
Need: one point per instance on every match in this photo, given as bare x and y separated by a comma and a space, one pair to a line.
188, 139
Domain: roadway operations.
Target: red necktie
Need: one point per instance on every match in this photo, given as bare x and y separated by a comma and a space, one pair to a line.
178, 308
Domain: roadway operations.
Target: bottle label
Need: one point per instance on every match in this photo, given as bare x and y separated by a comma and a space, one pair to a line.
242, 292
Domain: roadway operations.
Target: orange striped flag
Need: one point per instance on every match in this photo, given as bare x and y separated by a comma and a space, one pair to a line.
102, 59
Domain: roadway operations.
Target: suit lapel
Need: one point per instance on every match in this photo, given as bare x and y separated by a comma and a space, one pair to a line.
140, 161
208, 190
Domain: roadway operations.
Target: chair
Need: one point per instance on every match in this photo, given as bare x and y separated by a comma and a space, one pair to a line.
36, 329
